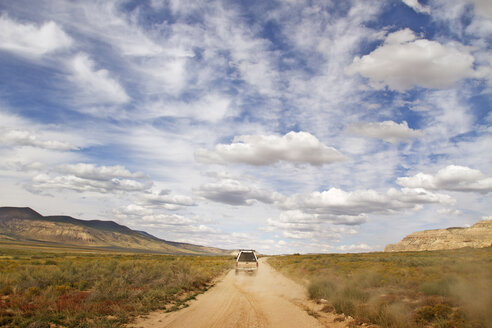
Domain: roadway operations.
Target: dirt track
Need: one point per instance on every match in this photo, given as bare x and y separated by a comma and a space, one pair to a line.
265, 300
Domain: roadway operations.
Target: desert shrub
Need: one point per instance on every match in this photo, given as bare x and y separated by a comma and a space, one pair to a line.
381, 288
427, 314
440, 287
96, 290
396, 315
344, 306
321, 289
355, 294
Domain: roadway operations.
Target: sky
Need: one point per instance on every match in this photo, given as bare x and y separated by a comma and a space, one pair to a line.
284, 126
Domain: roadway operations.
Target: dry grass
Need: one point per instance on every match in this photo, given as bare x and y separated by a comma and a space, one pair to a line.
97, 290
412, 289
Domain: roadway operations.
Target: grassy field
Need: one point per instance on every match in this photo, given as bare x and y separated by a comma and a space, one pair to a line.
39, 288
445, 289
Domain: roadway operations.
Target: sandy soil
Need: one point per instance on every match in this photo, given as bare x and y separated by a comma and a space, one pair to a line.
266, 300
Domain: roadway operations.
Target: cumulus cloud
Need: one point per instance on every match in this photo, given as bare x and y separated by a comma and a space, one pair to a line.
164, 199
169, 219
94, 172
449, 211
405, 61
451, 178
293, 147
234, 192
142, 216
354, 248
296, 224
415, 5
388, 131
31, 40
333, 213
44, 181
350, 207
132, 210
21, 138
91, 178
95, 86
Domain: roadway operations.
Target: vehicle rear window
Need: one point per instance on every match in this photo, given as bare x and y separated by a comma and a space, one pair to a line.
247, 257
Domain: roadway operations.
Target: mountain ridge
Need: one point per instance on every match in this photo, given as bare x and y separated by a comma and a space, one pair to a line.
25, 224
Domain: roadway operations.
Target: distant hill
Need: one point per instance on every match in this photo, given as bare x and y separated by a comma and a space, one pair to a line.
478, 235
26, 225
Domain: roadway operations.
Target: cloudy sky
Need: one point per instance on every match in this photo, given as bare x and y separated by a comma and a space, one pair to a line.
285, 126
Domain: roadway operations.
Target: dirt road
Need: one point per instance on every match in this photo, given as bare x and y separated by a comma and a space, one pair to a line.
265, 300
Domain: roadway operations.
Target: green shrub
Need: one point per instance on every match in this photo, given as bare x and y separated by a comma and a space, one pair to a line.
355, 294
441, 287
321, 289
401, 289
344, 306
96, 290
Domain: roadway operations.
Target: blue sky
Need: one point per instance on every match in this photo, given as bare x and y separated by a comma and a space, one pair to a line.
285, 126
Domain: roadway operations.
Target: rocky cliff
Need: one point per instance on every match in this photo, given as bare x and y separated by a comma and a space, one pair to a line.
477, 236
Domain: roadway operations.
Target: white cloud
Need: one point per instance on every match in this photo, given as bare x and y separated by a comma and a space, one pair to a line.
354, 248
177, 225
29, 39
132, 210
94, 172
250, 55
95, 86
164, 199
415, 5
211, 107
451, 178
388, 131
169, 220
164, 74
449, 211
332, 214
405, 61
106, 22
294, 147
344, 207
296, 224
91, 178
234, 192
71, 182
417, 197
19, 138
174, 226
483, 8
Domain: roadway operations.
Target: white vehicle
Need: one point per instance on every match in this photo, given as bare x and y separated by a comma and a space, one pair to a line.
247, 261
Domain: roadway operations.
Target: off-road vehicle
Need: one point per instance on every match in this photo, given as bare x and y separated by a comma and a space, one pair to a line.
247, 261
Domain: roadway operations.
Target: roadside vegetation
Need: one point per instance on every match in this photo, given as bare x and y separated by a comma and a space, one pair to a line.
41, 289
441, 289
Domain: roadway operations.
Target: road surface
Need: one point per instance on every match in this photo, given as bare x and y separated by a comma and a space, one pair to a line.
266, 300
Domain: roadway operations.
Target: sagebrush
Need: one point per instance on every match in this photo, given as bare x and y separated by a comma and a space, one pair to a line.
408, 289
97, 290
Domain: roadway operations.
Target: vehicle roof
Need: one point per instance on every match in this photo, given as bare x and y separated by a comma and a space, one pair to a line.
247, 256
